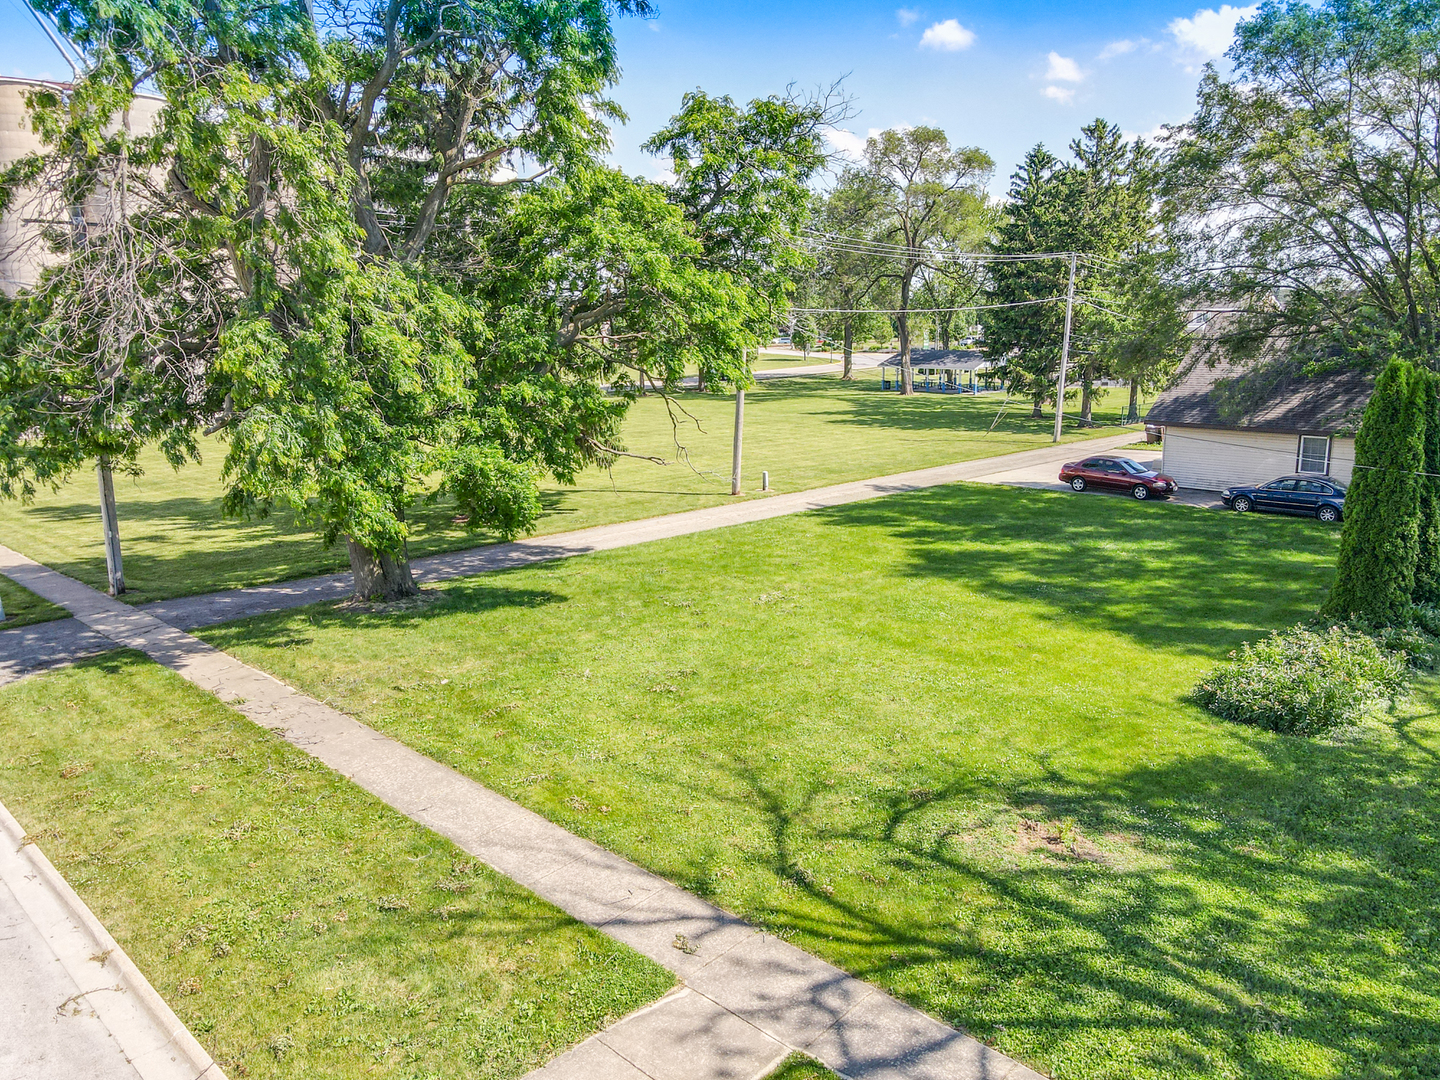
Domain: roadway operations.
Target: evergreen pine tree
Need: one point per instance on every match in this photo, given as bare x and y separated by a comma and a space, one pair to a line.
1379, 544
1427, 562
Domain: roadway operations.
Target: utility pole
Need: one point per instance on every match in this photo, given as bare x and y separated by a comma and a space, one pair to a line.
739, 438
110, 524
1065, 351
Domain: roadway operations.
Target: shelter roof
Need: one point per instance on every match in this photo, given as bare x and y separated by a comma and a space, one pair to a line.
942, 359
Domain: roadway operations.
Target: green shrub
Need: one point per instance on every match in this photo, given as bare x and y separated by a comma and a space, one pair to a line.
1303, 681
1380, 540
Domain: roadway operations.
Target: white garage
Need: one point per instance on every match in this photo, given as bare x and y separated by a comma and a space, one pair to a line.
1228, 425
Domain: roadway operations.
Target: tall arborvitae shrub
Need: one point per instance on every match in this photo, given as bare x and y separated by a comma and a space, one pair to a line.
1375, 576
1427, 558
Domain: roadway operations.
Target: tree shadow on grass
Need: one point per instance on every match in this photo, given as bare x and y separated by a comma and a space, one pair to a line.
1167, 576
1264, 902
287, 628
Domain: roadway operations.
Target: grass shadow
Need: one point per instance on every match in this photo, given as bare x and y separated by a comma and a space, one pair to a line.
1147, 571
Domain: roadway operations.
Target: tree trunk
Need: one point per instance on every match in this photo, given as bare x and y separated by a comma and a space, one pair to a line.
700, 379
1133, 416
380, 575
110, 527
848, 373
907, 376
1036, 411
1087, 394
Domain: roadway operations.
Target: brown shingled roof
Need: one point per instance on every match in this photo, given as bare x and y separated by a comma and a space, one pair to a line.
1264, 397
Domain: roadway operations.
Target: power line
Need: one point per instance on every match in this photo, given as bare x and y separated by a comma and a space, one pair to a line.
920, 311
880, 249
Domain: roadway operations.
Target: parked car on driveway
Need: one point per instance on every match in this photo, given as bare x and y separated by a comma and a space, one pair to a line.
1312, 496
1117, 474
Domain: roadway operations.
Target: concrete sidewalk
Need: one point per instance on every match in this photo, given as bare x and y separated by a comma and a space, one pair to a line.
72, 1005
45, 645
755, 998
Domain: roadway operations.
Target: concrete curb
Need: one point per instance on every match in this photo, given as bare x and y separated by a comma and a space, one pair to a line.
154, 1040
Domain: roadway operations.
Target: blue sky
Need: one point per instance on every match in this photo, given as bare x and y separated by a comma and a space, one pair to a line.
998, 75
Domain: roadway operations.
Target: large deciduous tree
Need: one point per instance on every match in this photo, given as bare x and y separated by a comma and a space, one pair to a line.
930, 195
849, 276
341, 271
1310, 179
741, 178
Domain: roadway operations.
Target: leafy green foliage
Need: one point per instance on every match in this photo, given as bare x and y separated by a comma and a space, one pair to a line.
330, 260
1302, 681
742, 175
1427, 556
927, 196
1126, 322
1379, 544
1309, 172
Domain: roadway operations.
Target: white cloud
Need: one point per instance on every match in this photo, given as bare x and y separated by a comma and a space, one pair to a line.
846, 143
1064, 95
1208, 33
1151, 136
947, 36
907, 16
1119, 48
666, 177
1063, 69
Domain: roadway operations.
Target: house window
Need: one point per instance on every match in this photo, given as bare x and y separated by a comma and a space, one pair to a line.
1314, 454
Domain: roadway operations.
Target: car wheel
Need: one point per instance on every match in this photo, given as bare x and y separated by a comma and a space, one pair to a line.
1078, 484
1242, 504
1140, 491
1328, 514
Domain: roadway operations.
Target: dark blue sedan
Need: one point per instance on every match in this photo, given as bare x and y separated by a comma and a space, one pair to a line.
1308, 495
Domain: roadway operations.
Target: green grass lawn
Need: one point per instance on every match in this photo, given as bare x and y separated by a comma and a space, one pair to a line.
297, 925
22, 607
807, 432
799, 1067
942, 739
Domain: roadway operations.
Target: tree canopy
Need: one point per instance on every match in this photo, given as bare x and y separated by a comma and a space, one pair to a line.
1310, 181
369, 243
1100, 204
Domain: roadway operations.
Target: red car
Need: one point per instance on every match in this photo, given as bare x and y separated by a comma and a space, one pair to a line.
1117, 474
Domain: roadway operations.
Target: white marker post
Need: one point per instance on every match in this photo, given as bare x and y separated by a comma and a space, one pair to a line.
1064, 351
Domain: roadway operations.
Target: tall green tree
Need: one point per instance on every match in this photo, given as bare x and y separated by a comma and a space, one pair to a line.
849, 277
1427, 555
930, 195
1380, 541
333, 208
742, 179
1310, 184
1101, 204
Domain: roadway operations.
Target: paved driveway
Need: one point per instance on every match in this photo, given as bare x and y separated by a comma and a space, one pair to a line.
1047, 477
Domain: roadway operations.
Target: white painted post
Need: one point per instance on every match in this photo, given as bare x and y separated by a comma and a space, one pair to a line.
110, 525
764, 481
1064, 351
739, 437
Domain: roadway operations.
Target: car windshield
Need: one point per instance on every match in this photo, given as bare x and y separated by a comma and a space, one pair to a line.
1132, 466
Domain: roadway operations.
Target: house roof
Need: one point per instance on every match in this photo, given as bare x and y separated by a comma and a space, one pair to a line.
942, 359
1264, 397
